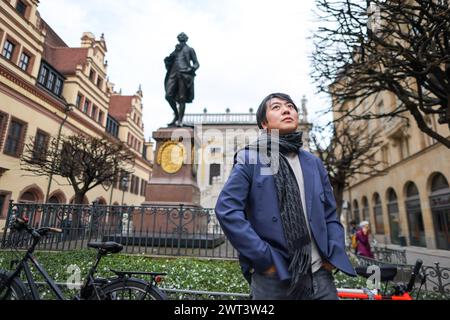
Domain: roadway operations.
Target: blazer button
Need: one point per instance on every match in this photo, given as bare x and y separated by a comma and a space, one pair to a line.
275, 219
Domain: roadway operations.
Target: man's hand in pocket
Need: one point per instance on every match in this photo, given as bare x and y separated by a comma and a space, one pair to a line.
270, 271
328, 266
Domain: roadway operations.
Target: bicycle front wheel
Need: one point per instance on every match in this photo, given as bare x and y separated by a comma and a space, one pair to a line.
131, 289
14, 291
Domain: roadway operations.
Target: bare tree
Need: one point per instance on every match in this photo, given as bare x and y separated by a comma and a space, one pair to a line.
86, 162
366, 47
349, 153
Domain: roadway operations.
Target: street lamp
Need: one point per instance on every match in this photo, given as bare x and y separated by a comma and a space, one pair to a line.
68, 108
124, 183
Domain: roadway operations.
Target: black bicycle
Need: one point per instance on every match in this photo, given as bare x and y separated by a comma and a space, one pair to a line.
124, 286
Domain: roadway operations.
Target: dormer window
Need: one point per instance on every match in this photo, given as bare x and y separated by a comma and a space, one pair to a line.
43, 76
51, 80
21, 8
58, 86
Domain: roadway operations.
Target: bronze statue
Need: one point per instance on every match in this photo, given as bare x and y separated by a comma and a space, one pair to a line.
179, 81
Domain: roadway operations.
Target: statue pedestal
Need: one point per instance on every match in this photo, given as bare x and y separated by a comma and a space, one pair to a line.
173, 195
173, 181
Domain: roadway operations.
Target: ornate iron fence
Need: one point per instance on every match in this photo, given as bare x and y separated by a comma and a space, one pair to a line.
390, 255
156, 230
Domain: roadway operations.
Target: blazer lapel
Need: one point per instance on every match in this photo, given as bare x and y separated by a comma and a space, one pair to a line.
308, 179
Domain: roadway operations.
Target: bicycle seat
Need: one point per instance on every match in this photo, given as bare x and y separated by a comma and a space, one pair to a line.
387, 273
109, 247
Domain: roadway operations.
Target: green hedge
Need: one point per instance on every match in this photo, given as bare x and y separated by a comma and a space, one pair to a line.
183, 273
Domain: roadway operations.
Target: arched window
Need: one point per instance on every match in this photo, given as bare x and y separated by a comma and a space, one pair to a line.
394, 217
356, 212
378, 214
365, 210
414, 214
53, 200
440, 208
31, 194
28, 197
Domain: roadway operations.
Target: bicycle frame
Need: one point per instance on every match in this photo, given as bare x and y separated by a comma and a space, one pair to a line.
369, 295
23, 266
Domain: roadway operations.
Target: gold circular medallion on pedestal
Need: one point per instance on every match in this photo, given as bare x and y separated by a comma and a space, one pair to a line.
171, 156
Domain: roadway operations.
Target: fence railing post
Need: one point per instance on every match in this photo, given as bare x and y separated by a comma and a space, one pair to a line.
180, 229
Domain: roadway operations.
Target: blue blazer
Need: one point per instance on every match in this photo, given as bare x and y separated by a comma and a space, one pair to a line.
247, 209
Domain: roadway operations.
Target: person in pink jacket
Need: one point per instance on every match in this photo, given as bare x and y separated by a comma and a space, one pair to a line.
362, 237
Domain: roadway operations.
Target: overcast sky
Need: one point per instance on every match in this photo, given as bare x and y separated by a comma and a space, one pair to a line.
246, 48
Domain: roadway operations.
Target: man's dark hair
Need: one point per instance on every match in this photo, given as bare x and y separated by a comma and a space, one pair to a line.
261, 113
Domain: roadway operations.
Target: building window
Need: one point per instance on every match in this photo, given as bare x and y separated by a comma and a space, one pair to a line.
440, 209
43, 75
21, 8
24, 61
40, 145
100, 117
58, 86
378, 212
86, 106
99, 82
79, 100
50, 81
92, 75
394, 217
415, 218
14, 140
143, 187
8, 49
94, 112
214, 171
133, 184
356, 217
137, 185
365, 209
112, 126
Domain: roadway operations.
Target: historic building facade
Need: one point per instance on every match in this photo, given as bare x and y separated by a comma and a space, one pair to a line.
410, 203
48, 88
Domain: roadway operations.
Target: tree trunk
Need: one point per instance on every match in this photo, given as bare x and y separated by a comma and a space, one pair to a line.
77, 226
338, 190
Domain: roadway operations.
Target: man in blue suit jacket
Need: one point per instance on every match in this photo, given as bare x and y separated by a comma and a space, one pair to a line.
283, 224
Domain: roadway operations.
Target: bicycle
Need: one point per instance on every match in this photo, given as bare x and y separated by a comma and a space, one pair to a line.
121, 287
387, 274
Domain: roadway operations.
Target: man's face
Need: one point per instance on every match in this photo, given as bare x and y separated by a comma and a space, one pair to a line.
281, 115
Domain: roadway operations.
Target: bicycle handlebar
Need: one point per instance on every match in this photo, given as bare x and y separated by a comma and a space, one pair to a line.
414, 273
20, 224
